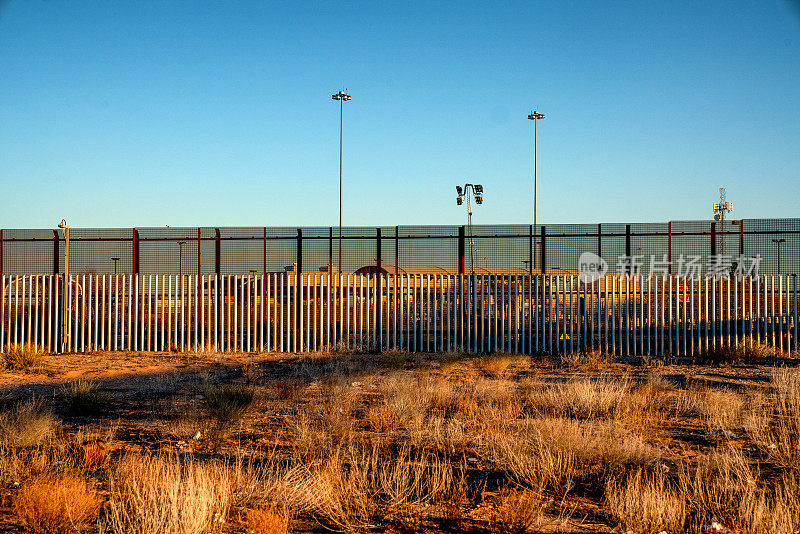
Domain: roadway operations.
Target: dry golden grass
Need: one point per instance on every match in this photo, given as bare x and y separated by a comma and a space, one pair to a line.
54, 505
518, 511
719, 410
779, 436
168, 494
27, 424
646, 502
494, 443
727, 487
749, 350
382, 419
497, 365
23, 356
593, 359
551, 453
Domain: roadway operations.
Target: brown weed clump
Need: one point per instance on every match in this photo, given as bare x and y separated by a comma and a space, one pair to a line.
646, 502
54, 505
26, 425
23, 356
168, 494
268, 520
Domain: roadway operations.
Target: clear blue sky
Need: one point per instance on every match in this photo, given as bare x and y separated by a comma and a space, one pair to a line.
215, 114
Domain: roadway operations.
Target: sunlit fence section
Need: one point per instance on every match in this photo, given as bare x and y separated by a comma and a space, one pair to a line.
629, 314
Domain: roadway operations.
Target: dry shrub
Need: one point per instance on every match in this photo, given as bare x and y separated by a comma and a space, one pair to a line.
646, 502
781, 439
169, 495
449, 360
23, 356
719, 409
496, 365
342, 497
26, 425
346, 489
289, 389
749, 350
53, 505
518, 510
320, 427
84, 397
381, 418
554, 452
268, 520
657, 383
394, 357
585, 398
588, 359
228, 402
727, 487
408, 478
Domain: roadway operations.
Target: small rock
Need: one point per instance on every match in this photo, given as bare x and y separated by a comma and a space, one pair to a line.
199, 397
198, 435
355, 384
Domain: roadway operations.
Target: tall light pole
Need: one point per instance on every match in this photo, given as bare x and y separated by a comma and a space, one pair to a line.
180, 258
115, 260
477, 190
341, 96
778, 242
535, 116
66, 299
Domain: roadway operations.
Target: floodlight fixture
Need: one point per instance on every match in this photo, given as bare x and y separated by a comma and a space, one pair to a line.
477, 190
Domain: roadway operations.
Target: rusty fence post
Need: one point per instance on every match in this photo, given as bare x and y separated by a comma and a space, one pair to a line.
135, 246
544, 249
461, 238
669, 247
56, 251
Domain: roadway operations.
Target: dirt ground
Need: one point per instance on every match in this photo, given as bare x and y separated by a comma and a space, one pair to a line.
155, 405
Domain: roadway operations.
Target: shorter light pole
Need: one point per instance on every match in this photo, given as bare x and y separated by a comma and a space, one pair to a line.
115, 260
778, 243
180, 257
477, 190
66, 300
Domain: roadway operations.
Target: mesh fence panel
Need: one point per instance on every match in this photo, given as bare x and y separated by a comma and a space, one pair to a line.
410, 249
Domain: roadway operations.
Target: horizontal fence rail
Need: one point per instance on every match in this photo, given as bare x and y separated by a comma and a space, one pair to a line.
624, 315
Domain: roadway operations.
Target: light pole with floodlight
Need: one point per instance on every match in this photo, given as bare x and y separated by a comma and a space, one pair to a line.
477, 190
535, 116
66, 298
342, 97
115, 260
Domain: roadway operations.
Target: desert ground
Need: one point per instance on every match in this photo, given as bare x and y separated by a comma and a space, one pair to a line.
399, 443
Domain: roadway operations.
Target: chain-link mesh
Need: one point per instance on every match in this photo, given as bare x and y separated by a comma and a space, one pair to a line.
515, 249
